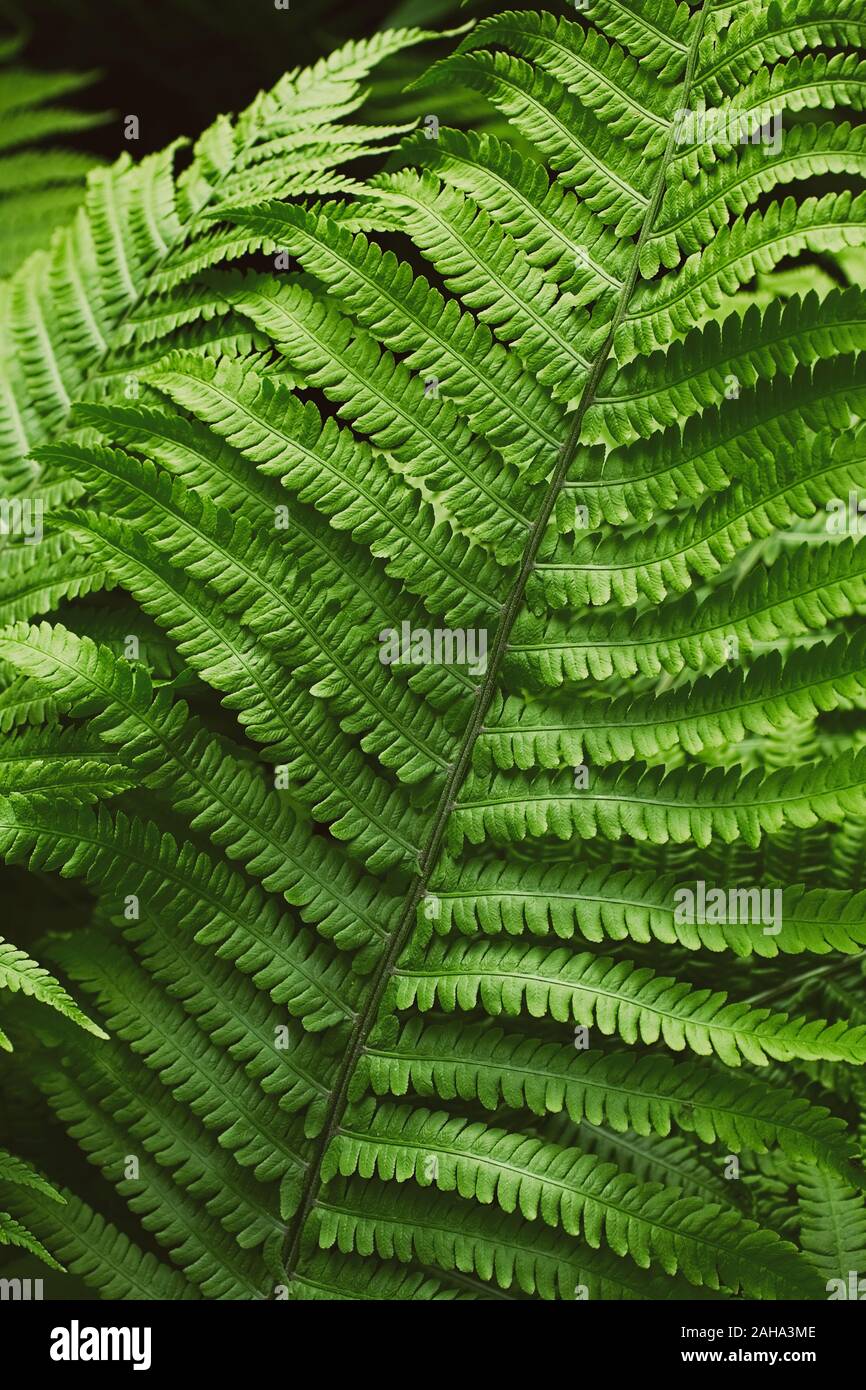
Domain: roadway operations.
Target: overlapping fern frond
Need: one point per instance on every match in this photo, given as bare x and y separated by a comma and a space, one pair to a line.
474, 600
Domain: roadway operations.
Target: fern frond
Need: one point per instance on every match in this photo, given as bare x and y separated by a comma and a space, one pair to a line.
102, 1255
805, 590
833, 1232
495, 1246
645, 1095
142, 221
616, 997
18, 973
581, 397
599, 904
649, 804
12, 1232
716, 709
571, 1190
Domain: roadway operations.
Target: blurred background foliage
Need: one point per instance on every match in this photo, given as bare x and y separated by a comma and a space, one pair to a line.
72, 71
178, 63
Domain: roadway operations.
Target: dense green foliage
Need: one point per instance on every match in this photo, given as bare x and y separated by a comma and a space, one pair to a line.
439, 586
